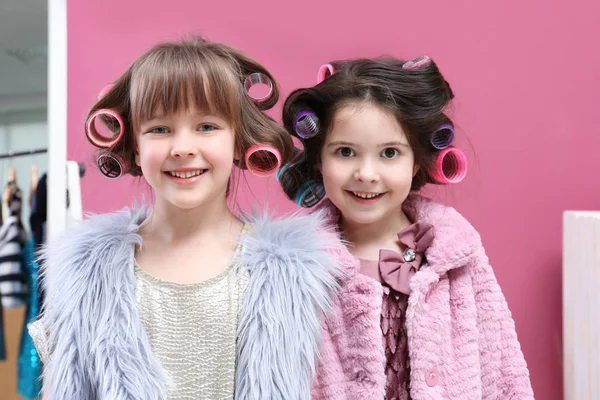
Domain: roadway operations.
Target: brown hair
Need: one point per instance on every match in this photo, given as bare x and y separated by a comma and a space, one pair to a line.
417, 98
193, 72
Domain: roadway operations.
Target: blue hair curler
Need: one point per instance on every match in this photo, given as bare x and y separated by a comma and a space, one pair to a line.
309, 194
282, 170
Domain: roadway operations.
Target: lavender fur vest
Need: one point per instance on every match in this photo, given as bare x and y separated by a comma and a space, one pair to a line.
97, 344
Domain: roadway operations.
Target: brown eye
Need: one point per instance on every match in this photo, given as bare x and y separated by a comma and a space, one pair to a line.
390, 153
345, 152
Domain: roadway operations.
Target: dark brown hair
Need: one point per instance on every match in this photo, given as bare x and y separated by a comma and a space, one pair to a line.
417, 98
193, 72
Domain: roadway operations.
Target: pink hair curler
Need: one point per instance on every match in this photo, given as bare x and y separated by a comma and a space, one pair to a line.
263, 160
450, 166
105, 90
255, 79
442, 137
96, 137
416, 63
325, 72
110, 165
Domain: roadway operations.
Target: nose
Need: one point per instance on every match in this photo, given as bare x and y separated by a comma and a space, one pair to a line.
184, 145
366, 172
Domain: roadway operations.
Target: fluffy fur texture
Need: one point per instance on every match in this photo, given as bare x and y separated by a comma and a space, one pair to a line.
292, 282
98, 344
461, 335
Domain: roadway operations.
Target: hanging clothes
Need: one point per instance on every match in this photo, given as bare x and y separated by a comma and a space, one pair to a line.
13, 280
34, 183
39, 211
37, 223
29, 383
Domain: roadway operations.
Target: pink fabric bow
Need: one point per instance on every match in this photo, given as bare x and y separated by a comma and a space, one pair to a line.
396, 269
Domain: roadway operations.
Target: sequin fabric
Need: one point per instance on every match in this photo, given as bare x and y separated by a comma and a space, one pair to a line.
394, 271
193, 330
29, 384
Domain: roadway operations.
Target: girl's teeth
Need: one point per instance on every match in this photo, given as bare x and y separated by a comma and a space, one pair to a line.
187, 174
365, 195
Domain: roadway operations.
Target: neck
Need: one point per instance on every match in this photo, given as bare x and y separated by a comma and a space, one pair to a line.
380, 231
170, 223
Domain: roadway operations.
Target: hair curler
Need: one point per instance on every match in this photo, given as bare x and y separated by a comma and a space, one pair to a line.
263, 160
442, 137
96, 137
255, 79
450, 166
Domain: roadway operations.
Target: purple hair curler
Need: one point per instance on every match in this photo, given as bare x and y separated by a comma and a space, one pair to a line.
306, 124
442, 137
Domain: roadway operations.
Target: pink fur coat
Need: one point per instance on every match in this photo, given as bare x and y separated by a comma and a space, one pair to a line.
461, 336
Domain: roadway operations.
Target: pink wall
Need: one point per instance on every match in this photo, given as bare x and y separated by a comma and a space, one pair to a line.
526, 80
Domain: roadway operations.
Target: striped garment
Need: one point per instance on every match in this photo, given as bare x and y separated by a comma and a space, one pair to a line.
13, 281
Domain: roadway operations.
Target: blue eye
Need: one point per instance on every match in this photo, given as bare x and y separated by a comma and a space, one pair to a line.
345, 152
390, 153
206, 128
159, 129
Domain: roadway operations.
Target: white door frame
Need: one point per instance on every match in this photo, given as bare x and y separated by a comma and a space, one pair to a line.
57, 117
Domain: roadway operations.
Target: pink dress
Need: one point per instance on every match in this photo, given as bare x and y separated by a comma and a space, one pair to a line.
394, 271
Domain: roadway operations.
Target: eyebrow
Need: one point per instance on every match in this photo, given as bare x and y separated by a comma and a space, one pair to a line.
388, 144
339, 143
199, 112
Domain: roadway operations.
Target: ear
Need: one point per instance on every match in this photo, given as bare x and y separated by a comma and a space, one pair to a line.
317, 166
237, 156
137, 158
416, 169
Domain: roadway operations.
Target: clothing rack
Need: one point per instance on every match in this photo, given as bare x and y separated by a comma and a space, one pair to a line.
12, 154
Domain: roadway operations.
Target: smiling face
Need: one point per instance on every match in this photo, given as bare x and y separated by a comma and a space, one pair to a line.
367, 164
187, 157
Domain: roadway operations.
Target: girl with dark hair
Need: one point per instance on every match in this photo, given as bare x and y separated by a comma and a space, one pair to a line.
429, 320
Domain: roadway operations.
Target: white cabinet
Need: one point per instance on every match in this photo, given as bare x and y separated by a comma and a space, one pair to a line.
581, 305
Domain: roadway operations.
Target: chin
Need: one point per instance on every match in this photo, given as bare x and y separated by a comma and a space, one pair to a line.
186, 202
362, 218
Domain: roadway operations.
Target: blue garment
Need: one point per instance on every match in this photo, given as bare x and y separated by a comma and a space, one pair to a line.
29, 365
